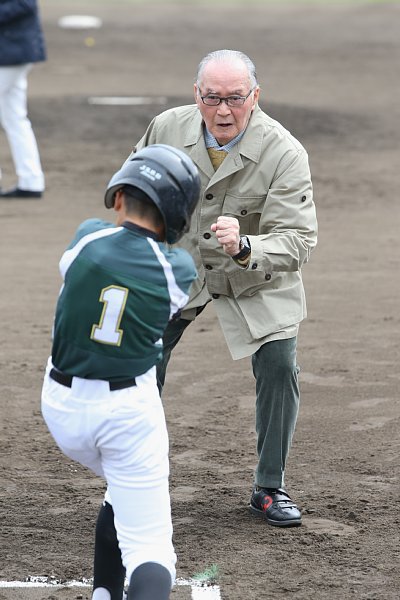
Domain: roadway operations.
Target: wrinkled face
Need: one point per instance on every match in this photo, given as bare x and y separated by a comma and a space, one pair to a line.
225, 79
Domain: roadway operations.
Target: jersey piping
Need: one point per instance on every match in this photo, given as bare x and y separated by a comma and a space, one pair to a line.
70, 255
178, 297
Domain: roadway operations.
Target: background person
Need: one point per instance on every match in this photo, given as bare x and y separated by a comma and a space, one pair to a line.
21, 45
251, 234
100, 398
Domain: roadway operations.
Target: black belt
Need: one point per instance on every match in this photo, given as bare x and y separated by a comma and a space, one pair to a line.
65, 379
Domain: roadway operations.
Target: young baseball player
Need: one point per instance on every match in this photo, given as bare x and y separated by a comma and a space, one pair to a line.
100, 400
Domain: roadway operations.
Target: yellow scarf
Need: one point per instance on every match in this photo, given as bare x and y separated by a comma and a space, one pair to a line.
216, 157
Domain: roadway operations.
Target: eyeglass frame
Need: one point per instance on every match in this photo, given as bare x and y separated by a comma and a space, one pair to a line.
227, 98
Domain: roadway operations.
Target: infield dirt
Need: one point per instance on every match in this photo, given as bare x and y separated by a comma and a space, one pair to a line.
330, 74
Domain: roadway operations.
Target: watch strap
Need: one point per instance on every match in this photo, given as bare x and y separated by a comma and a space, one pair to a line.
245, 248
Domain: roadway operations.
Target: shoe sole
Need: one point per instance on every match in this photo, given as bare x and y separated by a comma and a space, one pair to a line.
3, 197
261, 515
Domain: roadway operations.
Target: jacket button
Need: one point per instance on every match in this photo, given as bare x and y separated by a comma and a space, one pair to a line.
207, 236
209, 267
268, 276
303, 198
254, 266
215, 296
209, 196
243, 212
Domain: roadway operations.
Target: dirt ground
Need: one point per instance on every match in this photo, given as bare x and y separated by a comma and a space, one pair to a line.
330, 74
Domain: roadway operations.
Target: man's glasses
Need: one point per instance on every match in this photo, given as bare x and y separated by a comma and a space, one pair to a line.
232, 101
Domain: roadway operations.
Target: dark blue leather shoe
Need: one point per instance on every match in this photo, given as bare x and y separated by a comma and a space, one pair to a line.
16, 192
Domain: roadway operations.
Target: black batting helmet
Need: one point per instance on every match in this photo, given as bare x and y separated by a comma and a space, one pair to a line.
169, 178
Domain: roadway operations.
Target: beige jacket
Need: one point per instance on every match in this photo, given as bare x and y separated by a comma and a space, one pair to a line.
265, 183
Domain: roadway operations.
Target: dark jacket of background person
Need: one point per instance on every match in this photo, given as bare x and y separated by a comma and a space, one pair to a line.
21, 36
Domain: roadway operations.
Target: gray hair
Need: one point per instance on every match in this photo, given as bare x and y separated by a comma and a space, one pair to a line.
228, 55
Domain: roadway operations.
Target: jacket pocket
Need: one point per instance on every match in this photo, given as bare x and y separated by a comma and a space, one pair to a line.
218, 283
248, 282
246, 210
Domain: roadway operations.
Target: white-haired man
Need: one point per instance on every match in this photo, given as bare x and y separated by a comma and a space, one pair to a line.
251, 234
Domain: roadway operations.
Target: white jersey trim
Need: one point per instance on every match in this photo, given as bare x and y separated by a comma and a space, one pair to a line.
70, 255
178, 298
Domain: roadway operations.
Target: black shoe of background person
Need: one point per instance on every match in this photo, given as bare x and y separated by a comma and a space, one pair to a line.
16, 192
275, 506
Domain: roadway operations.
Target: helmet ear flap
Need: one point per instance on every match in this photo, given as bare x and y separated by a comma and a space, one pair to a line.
169, 178
109, 200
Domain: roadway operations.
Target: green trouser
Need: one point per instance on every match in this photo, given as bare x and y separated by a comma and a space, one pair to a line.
277, 400
277, 407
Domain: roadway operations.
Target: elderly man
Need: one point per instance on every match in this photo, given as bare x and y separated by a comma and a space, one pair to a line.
250, 235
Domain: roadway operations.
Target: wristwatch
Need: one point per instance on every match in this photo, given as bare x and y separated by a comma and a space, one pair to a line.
244, 248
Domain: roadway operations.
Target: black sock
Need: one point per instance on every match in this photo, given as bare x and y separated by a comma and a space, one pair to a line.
109, 571
150, 581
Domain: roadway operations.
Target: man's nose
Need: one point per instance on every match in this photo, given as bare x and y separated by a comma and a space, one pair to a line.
223, 108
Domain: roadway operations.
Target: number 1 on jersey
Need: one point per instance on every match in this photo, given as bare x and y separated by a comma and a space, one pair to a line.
107, 331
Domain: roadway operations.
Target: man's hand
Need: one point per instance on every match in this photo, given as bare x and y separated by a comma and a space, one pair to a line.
227, 231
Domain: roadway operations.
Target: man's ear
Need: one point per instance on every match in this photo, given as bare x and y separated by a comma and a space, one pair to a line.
256, 96
118, 200
195, 91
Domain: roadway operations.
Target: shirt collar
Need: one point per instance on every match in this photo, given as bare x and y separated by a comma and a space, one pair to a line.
211, 142
140, 230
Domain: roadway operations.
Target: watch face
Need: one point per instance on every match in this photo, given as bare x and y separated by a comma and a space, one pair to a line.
244, 248
244, 241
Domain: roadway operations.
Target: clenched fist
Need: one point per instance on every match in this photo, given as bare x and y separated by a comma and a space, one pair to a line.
227, 231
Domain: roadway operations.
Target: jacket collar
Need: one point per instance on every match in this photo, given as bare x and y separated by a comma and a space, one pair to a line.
195, 144
250, 145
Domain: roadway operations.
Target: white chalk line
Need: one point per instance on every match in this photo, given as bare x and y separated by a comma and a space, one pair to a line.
126, 100
199, 591
79, 22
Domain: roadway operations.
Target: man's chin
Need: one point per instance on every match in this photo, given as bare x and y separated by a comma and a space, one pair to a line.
224, 135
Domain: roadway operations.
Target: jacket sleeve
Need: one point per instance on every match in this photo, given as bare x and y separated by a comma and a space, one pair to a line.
288, 223
10, 10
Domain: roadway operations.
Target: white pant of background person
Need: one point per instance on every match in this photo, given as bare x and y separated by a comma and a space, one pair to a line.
122, 437
18, 128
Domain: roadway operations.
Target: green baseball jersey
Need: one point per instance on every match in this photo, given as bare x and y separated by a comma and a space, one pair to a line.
121, 287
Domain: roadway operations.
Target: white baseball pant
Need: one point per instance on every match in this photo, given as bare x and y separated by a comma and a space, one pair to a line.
121, 436
18, 128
